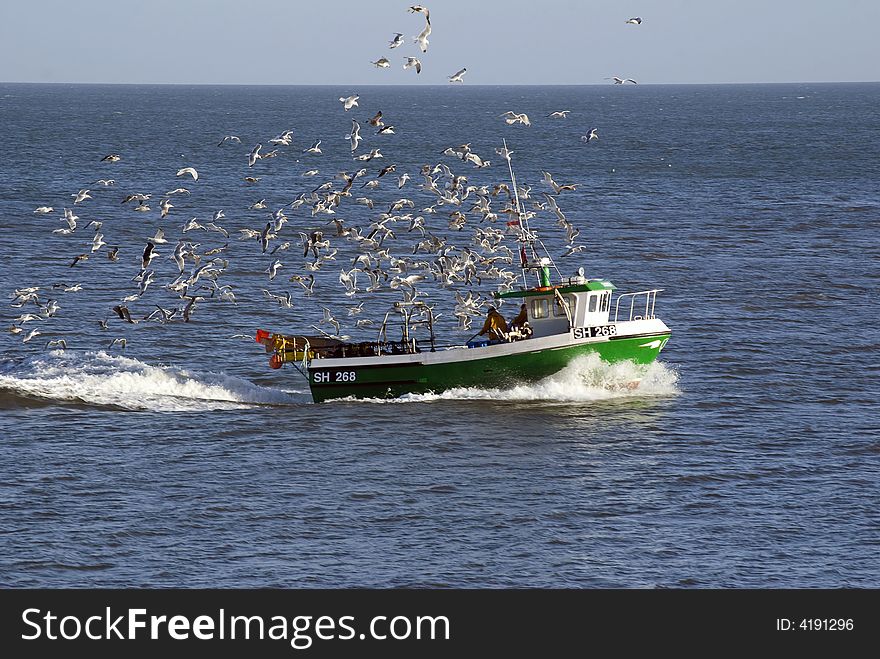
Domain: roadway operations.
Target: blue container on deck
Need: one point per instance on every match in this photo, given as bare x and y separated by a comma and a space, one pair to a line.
478, 343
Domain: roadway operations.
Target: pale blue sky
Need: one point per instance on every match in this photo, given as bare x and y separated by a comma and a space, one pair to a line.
500, 42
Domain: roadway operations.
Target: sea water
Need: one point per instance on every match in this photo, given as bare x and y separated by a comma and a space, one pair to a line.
746, 457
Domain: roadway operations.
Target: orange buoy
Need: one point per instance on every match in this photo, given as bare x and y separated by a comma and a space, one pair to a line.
275, 361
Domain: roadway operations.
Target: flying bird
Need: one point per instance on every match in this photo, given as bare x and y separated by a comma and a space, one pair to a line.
516, 118
355, 135
421, 9
149, 254
376, 120
111, 157
82, 195
396, 41
413, 62
457, 77
559, 114
254, 155
422, 38
592, 135
634, 21
348, 102
620, 81
315, 148
229, 138
381, 63
189, 170
273, 269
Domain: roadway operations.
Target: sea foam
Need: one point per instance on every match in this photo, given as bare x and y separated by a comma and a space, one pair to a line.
98, 378
586, 378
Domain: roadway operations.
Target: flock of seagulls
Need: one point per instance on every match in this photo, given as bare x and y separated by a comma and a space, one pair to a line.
421, 40
408, 242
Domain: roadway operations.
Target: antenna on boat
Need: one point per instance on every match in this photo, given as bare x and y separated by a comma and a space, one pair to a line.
526, 237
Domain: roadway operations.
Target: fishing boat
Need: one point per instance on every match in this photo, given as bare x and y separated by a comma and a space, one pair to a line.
561, 321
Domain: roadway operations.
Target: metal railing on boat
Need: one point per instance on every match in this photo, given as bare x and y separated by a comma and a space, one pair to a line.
650, 301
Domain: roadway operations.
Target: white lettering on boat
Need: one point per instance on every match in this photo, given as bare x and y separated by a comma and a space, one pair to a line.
591, 332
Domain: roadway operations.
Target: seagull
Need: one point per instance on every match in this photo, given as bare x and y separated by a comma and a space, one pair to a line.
634, 21
261, 204
285, 138
149, 254
192, 225
135, 197
515, 118
178, 256
592, 135
265, 236
158, 238
574, 250
82, 195
32, 334
273, 268
165, 205
348, 102
385, 130
310, 172
381, 63
113, 254
229, 138
77, 259
620, 81
310, 287
60, 343
377, 120
283, 300
189, 170
413, 62
123, 313
315, 148
422, 38
396, 41
559, 114
120, 340
42, 210
254, 155
355, 136
329, 319
112, 157
105, 182
548, 179
457, 77
421, 9
98, 241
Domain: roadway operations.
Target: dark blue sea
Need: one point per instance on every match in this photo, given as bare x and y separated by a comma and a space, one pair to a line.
749, 456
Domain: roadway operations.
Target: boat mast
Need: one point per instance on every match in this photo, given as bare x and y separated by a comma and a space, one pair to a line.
525, 234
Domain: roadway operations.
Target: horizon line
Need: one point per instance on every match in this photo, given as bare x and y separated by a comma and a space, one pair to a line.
451, 85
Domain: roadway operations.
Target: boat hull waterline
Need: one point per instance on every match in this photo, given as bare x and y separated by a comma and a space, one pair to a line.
494, 366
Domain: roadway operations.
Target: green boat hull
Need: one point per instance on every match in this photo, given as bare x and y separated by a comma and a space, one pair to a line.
393, 380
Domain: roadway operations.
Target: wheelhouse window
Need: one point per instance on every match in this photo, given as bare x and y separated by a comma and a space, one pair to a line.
605, 301
540, 308
594, 300
559, 310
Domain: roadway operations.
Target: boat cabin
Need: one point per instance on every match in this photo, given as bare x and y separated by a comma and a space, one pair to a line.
555, 309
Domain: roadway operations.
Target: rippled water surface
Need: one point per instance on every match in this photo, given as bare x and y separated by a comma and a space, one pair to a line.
747, 457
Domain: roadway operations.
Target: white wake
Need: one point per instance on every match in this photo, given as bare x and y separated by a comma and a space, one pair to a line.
101, 379
586, 378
